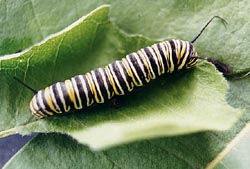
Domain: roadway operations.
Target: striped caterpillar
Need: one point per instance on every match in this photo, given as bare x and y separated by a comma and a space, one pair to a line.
117, 78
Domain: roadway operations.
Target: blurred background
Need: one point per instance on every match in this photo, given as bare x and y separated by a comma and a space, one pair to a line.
10, 145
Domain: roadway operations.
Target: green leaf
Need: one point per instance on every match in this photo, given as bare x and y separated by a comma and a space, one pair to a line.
157, 20
191, 151
183, 20
170, 106
63, 152
237, 152
36, 20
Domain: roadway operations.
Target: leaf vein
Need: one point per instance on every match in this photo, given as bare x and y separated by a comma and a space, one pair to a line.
109, 159
36, 20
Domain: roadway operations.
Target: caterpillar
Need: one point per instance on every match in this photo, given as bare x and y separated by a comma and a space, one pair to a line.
117, 78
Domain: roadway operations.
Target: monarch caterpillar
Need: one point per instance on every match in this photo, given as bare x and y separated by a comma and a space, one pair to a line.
118, 77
